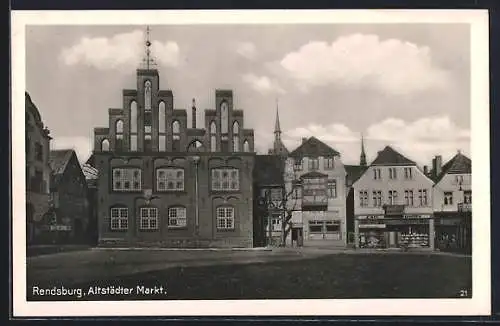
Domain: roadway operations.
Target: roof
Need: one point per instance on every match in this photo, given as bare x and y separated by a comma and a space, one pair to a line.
269, 170
314, 147
459, 164
388, 156
58, 160
354, 172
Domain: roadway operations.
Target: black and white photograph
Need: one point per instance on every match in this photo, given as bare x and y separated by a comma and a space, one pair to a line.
250, 162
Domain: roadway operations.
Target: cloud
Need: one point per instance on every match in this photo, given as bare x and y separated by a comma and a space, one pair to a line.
391, 66
121, 50
262, 84
246, 50
420, 140
83, 146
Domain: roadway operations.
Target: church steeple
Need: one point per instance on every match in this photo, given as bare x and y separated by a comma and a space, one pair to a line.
362, 157
277, 129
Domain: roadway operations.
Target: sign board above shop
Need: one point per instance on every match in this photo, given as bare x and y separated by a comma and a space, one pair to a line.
394, 210
406, 221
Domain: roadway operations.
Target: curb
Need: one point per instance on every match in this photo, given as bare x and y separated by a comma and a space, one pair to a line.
178, 249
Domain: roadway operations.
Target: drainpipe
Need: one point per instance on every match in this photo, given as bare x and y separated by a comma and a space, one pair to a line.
196, 160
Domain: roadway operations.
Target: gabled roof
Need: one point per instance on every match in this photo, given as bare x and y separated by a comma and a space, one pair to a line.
269, 170
388, 156
354, 172
314, 147
58, 160
459, 164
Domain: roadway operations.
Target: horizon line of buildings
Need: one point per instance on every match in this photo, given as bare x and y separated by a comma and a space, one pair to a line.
154, 180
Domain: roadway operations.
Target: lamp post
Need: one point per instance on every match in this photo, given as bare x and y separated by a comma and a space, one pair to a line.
196, 160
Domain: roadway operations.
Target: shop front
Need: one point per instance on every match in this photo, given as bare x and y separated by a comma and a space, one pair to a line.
453, 231
372, 232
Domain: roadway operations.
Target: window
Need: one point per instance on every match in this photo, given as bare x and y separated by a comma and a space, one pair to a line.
316, 226
324, 226
119, 218
332, 189
225, 179
176, 136
422, 197
236, 137
459, 179
39, 151
377, 198
104, 146
376, 174
467, 197
149, 218
133, 117
246, 146
177, 217
119, 135
162, 114
409, 197
392, 173
297, 166
448, 198
393, 197
133, 143
147, 95
363, 198
162, 143
128, 179
328, 163
408, 173
313, 164
224, 113
170, 179
213, 137
225, 218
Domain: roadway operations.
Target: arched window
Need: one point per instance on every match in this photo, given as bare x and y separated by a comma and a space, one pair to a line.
176, 136
246, 146
133, 117
105, 145
213, 137
236, 137
161, 117
119, 135
195, 146
224, 113
147, 95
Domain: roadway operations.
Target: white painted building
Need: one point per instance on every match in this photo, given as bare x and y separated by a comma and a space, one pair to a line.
315, 177
393, 204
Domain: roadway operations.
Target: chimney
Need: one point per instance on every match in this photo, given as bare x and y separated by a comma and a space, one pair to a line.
426, 170
437, 163
304, 139
193, 110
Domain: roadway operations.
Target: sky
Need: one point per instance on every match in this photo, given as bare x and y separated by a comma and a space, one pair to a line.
403, 85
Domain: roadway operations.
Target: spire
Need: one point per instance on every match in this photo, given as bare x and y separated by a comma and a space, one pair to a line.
277, 129
362, 158
148, 60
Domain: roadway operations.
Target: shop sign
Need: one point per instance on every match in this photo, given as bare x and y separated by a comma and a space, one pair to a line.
372, 226
406, 221
60, 227
394, 210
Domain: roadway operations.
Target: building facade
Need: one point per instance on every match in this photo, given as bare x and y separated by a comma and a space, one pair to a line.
163, 183
92, 179
452, 202
315, 178
68, 191
393, 204
37, 149
270, 199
